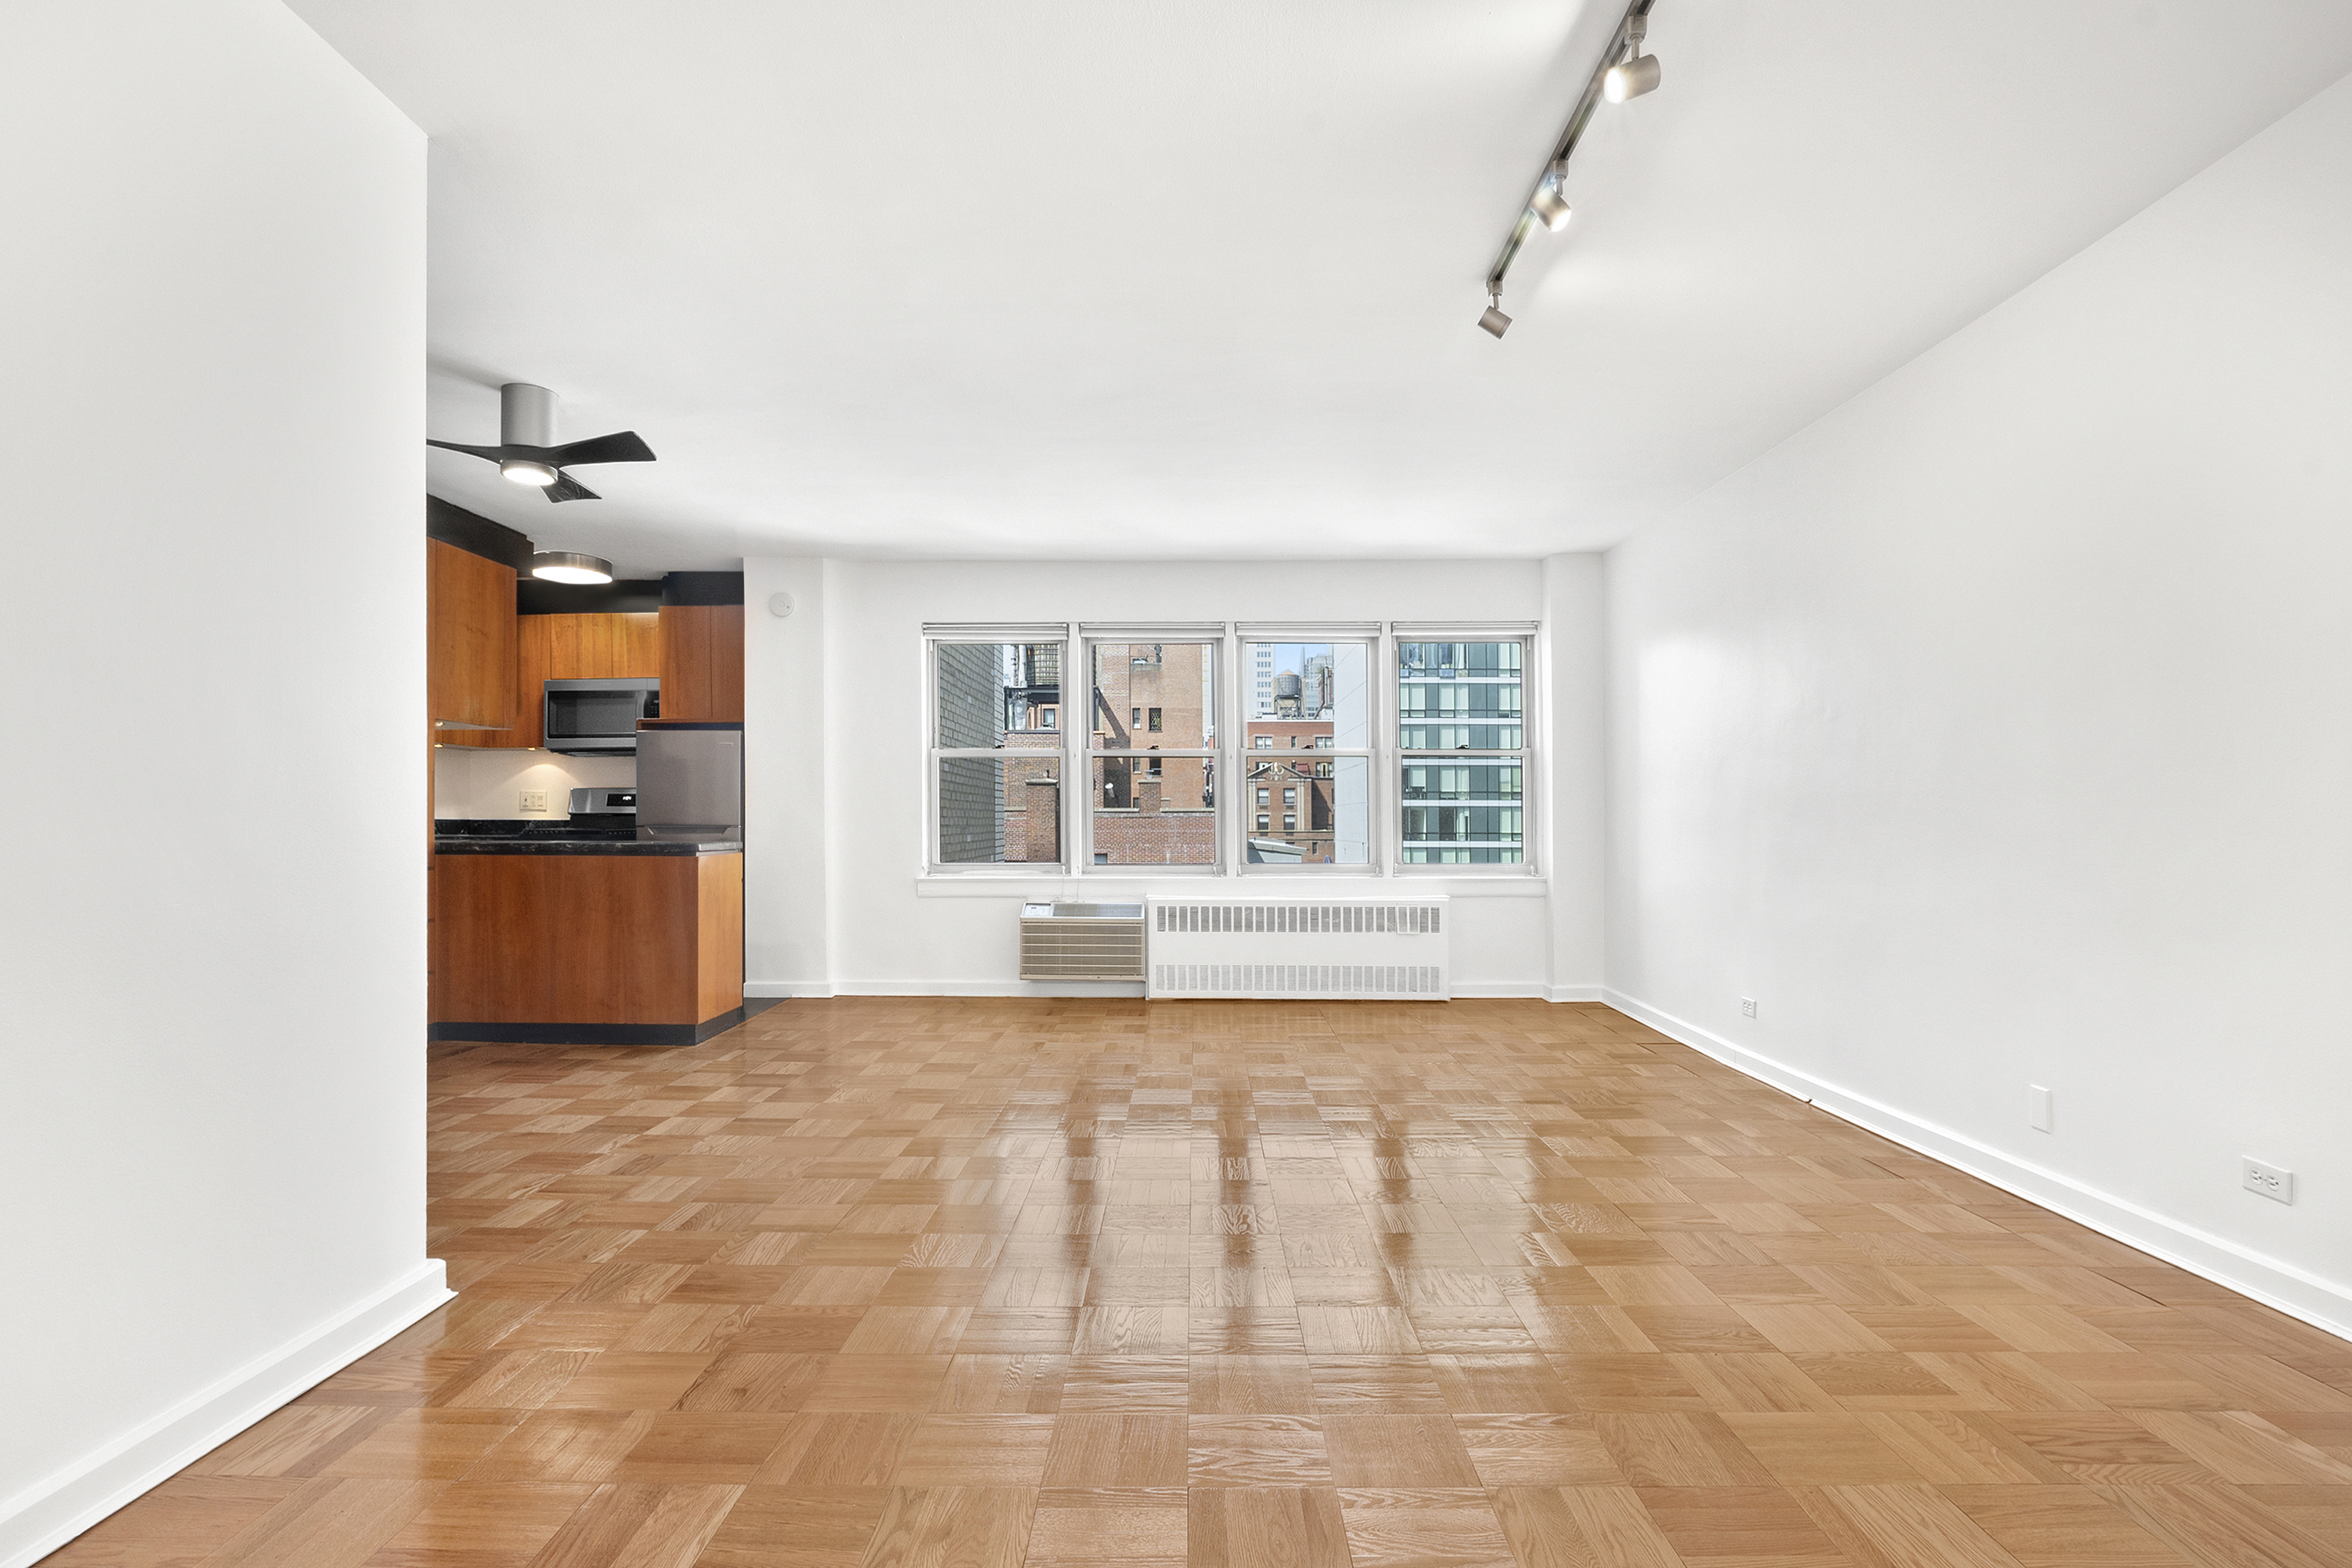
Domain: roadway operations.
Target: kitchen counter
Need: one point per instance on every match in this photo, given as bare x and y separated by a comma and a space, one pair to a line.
477, 846
573, 835
584, 937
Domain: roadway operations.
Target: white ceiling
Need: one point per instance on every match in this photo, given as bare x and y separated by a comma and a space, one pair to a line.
1108, 278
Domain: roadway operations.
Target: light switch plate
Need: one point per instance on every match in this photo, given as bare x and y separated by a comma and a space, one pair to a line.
1748, 1007
2037, 1108
532, 800
2267, 1179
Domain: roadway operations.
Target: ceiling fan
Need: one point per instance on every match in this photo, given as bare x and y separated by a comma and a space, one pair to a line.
527, 452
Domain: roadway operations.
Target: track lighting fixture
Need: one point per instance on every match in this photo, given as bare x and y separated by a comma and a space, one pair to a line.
1550, 202
1637, 73
1622, 71
1493, 321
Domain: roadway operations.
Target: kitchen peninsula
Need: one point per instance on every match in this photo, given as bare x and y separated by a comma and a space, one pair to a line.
548, 937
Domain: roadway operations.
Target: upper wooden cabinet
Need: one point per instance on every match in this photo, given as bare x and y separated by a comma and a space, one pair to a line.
574, 648
469, 612
702, 661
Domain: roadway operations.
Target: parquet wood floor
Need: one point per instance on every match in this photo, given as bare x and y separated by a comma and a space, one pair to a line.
975, 1284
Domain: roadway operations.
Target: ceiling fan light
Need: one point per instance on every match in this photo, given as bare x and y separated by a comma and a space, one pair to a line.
1630, 78
569, 566
523, 472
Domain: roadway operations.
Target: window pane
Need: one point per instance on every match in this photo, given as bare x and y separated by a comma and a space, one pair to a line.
998, 811
1467, 814
998, 694
1150, 694
1326, 816
1155, 811
1307, 696
1456, 695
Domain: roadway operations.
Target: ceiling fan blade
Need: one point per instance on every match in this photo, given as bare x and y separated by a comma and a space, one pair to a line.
494, 454
623, 447
566, 488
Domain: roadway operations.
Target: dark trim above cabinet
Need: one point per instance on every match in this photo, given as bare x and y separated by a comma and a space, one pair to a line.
702, 588
476, 534
626, 596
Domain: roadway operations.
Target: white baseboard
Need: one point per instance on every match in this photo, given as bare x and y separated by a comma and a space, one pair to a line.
45, 1516
1018, 988
2295, 1290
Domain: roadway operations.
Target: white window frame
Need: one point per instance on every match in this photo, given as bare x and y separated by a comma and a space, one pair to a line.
1369, 634
1528, 755
1080, 740
934, 638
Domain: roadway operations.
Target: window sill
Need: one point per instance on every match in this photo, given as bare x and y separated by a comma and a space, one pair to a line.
1311, 885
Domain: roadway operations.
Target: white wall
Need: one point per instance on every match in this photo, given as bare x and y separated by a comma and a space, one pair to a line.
835, 765
487, 782
1993, 731
211, 416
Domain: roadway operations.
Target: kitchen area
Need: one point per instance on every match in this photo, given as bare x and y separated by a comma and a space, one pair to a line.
585, 742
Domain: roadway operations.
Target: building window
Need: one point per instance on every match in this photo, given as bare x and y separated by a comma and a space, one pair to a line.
1264, 823
1315, 696
995, 783
1266, 797
1462, 740
1154, 806
1049, 716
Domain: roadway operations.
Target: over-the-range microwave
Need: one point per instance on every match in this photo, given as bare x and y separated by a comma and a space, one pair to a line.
599, 718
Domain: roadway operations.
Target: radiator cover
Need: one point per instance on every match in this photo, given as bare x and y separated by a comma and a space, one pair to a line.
1395, 949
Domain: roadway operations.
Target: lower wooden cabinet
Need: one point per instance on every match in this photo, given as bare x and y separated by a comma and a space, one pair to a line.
595, 948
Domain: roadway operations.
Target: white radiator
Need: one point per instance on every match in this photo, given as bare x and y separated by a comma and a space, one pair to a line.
1269, 946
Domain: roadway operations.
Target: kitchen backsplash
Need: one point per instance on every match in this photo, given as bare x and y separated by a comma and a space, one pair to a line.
495, 783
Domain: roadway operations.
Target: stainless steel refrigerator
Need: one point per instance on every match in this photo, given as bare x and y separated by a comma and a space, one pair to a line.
690, 781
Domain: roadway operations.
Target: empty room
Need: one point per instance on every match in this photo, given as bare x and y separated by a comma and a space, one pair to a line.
1425, 784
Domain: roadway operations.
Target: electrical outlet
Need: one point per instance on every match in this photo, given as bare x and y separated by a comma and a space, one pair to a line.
1748, 1007
2037, 1107
532, 800
2267, 1179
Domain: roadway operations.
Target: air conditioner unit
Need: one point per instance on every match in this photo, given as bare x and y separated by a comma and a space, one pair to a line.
1082, 942
1393, 947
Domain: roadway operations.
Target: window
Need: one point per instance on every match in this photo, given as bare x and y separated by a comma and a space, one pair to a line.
1153, 805
1130, 782
1314, 695
1462, 740
994, 781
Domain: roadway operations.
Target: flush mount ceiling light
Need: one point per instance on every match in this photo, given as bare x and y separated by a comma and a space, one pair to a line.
569, 566
1622, 71
528, 455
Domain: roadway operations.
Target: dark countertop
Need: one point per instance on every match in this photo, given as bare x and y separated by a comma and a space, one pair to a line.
583, 847
477, 835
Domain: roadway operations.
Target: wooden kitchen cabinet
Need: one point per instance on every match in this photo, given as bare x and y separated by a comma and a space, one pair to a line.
469, 615
702, 662
574, 648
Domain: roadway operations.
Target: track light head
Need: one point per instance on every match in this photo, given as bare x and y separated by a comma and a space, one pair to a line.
1631, 79
1637, 73
1551, 203
1493, 320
